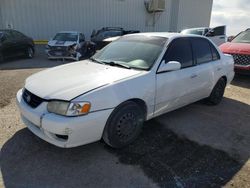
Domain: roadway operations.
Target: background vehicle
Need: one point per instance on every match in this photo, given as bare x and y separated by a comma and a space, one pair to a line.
66, 45
107, 32
216, 34
133, 79
14, 43
239, 48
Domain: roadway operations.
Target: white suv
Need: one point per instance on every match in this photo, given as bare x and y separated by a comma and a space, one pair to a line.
133, 79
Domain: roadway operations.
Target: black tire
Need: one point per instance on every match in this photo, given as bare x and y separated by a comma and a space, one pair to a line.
1, 57
29, 52
217, 92
124, 125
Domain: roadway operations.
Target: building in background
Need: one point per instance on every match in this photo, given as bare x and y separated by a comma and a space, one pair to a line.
41, 19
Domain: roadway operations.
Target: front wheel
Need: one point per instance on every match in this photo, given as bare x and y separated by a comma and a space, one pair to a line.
124, 125
30, 52
217, 93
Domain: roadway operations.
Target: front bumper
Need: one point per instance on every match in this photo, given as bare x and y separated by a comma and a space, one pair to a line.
63, 55
242, 69
78, 130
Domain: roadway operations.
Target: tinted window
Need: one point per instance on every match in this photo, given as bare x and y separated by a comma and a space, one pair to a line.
8, 35
193, 31
111, 33
66, 37
219, 31
180, 50
17, 34
82, 37
215, 53
202, 50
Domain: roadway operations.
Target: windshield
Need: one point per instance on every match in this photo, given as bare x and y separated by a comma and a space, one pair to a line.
66, 37
193, 31
132, 51
243, 37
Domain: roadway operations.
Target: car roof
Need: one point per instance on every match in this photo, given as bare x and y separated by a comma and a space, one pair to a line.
72, 32
165, 35
197, 28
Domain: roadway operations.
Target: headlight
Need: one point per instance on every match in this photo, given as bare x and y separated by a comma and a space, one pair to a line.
47, 47
68, 108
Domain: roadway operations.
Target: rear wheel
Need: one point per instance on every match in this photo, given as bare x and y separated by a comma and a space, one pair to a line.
30, 52
217, 93
124, 125
1, 57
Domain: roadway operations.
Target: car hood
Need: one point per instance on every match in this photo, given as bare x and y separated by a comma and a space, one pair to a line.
239, 48
61, 43
66, 82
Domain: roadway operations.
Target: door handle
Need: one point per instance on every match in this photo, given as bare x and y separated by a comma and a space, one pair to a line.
193, 76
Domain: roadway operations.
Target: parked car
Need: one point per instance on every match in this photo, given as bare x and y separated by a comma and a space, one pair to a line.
15, 43
239, 48
134, 79
108, 32
66, 45
216, 34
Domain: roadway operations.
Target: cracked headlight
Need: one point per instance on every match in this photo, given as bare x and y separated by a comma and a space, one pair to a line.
69, 108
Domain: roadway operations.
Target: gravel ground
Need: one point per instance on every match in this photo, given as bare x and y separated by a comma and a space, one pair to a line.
195, 146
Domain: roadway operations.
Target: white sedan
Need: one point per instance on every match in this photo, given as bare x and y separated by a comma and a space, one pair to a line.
135, 78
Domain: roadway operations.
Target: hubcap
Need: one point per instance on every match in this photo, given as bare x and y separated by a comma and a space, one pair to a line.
126, 126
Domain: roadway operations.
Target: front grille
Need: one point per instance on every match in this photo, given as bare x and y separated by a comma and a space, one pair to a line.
240, 59
58, 53
63, 48
31, 99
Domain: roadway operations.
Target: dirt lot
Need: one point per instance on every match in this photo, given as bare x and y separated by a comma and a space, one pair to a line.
196, 146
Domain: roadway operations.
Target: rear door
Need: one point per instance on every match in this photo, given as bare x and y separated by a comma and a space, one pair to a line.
218, 35
204, 69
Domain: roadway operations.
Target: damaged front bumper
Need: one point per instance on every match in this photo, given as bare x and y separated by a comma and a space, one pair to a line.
63, 53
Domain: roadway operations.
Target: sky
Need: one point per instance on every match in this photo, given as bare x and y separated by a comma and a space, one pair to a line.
235, 14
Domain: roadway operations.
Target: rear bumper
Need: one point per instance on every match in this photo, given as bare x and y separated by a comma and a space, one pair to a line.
78, 130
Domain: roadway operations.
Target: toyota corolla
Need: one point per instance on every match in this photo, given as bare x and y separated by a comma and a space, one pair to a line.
135, 78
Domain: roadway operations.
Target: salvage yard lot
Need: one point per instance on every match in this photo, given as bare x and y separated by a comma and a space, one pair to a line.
195, 146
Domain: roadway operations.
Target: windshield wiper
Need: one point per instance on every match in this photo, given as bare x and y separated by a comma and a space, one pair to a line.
96, 61
112, 63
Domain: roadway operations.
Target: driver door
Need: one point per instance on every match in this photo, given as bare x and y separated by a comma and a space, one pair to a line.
175, 89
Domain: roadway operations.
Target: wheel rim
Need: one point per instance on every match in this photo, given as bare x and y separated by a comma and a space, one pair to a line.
126, 126
30, 52
219, 91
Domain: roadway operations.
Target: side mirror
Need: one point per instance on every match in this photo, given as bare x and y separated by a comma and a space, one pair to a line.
230, 38
170, 66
